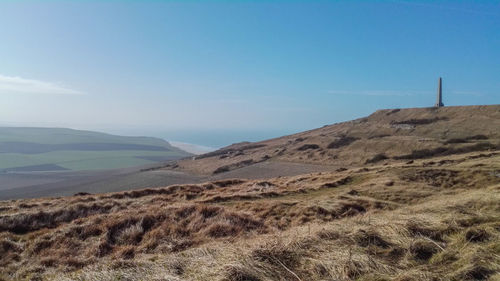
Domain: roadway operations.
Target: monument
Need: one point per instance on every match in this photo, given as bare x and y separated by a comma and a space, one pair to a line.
439, 100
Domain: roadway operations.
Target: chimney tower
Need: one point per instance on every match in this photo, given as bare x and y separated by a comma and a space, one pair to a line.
439, 100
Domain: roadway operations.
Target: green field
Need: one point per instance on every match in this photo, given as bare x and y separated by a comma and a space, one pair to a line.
65, 136
22, 148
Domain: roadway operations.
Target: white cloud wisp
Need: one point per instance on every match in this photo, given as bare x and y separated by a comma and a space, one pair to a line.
12, 84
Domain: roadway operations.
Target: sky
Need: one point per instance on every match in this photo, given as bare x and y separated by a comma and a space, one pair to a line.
218, 72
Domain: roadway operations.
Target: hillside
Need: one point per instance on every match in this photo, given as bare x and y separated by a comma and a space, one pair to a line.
58, 149
384, 136
435, 219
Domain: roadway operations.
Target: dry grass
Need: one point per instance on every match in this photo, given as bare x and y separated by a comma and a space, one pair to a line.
418, 221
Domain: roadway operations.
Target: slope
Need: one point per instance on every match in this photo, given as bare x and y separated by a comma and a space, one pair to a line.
434, 219
386, 135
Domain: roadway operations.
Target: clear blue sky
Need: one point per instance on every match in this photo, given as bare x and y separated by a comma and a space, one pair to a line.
257, 68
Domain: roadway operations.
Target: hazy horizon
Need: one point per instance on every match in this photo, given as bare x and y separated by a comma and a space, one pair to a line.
206, 139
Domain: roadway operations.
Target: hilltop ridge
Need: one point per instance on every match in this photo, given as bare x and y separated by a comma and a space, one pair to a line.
402, 134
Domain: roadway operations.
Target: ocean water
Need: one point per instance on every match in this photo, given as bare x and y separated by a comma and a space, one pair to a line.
203, 140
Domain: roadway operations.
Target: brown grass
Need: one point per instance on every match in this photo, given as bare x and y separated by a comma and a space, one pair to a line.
432, 222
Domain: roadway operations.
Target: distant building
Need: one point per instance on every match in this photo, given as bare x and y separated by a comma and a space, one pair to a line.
439, 100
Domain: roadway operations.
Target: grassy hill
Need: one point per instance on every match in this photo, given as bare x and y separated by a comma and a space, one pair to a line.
384, 136
52, 149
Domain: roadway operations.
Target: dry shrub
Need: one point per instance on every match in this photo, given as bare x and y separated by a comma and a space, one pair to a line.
239, 273
343, 181
474, 272
265, 184
49, 262
343, 209
184, 211
353, 269
128, 252
277, 253
307, 147
474, 219
392, 255
422, 121
426, 229
349, 209
446, 257
176, 228
9, 252
377, 158
103, 248
423, 250
435, 177
131, 235
319, 269
416, 275
115, 229
353, 192
81, 193
83, 232
178, 245
342, 141
328, 234
222, 229
222, 169
443, 151
228, 182
6, 246
27, 206
41, 244
237, 165
209, 211
177, 266
152, 239
244, 222
370, 237
75, 263
27, 222
228, 151
477, 234
466, 139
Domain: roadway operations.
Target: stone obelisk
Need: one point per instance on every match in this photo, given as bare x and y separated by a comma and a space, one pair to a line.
439, 100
